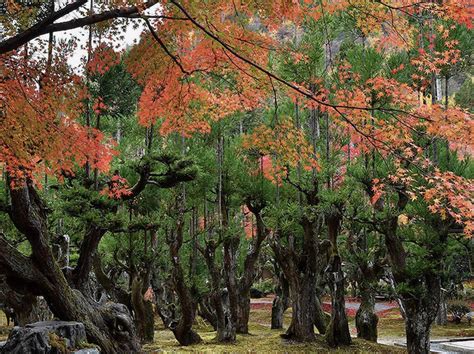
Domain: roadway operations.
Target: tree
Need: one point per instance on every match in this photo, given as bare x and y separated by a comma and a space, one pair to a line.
200, 64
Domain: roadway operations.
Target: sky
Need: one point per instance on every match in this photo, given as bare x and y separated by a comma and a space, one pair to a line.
80, 35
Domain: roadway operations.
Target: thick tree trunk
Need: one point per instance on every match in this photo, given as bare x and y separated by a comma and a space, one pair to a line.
301, 271
85, 262
22, 308
366, 319
226, 331
108, 326
442, 314
225, 326
338, 329
143, 309
302, 319
281, 302
417, 326
420, 315
243, 314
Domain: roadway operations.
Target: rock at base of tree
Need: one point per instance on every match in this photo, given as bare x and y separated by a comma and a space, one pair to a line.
45, 337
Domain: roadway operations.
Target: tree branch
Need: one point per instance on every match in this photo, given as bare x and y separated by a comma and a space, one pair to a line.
48, 25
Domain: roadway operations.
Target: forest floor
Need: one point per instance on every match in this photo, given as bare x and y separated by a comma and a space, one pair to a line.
262, 339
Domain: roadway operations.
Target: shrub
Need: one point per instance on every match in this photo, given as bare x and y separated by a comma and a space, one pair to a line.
458, 309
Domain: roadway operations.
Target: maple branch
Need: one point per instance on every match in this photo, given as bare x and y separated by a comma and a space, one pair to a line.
307, 94
164, 47
48, 25
32, 32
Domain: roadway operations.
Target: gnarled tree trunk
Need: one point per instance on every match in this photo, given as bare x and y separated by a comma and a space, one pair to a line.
366, 318
281, 301
226, 331
239, 290
301, 270
142, 308
182, 330
338, 329
302, 321
108, 326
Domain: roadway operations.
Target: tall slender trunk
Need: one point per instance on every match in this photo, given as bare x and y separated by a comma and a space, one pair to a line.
182, 330
338, 329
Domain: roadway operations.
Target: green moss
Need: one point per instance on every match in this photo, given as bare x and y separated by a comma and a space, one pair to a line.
85, 345
261, 340
58, 342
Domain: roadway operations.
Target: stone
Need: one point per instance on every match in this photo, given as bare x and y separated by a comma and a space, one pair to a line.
465, 346
49, 337
87, 351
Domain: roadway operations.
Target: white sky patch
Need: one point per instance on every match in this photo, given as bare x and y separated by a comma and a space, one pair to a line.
80, 36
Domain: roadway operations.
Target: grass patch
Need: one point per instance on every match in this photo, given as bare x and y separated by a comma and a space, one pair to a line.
261, 340
395, 327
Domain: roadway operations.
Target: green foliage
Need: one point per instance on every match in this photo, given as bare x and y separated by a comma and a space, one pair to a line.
465, 96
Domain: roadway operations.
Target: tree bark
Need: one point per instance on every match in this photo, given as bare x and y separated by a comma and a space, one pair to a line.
442, 314
206, 312
417, 326
182, 330
302, 319
108, 326
302, 269
143, 309
338, 330
366, 318
281, 302
240, 305
87, 254
226, 331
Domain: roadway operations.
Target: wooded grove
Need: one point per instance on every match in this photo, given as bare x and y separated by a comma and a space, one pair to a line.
165, 162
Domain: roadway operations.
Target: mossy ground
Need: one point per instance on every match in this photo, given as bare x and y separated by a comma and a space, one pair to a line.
263, 340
